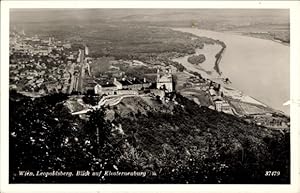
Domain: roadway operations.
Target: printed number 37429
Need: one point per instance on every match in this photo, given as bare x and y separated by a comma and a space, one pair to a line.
272, 173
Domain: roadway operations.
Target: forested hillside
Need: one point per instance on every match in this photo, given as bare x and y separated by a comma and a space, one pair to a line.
186, 144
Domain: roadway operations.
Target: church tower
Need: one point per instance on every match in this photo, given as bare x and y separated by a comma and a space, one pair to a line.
50, 41
86, 50
165, 80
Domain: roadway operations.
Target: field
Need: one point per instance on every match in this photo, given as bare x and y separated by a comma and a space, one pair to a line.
244, 108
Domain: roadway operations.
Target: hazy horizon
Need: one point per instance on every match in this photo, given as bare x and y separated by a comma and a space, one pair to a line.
280, 16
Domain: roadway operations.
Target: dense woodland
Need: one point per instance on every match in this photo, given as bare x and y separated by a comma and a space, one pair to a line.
196, 59
127, 41
190, 144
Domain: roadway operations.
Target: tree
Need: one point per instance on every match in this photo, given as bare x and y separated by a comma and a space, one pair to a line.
98, 128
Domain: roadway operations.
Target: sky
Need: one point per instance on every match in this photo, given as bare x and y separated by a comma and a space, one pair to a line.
238, 15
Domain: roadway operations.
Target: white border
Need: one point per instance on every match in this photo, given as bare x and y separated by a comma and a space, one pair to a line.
294, 7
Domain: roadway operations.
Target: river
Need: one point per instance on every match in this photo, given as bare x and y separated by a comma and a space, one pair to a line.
257, 67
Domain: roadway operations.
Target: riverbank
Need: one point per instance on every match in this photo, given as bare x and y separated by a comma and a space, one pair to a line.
263, 35
218, 59
257, 67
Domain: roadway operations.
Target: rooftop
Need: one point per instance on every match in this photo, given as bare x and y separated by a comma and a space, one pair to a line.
108, 85
136, 81
125, 82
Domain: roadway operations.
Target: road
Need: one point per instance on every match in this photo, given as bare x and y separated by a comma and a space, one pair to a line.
110, 100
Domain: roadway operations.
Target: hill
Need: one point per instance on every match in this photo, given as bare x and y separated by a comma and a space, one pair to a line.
194, 144
174, 142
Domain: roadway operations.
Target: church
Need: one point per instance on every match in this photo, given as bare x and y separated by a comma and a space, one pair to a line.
164, 82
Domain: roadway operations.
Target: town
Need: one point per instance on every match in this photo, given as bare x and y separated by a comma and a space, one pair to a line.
39, 67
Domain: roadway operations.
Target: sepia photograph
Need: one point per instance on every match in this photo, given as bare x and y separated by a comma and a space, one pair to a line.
149, 96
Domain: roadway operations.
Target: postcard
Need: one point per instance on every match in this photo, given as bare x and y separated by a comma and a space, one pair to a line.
149, 96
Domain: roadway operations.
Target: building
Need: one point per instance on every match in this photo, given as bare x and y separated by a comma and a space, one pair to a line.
107, 89
80, 57
67, 46
123, 86
164, 81
50, 41
223, 106
86, 50
134, 84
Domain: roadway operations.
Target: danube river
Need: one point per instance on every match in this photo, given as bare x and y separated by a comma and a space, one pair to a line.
259, 68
